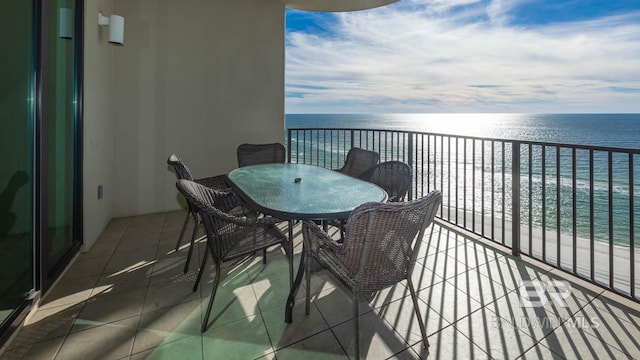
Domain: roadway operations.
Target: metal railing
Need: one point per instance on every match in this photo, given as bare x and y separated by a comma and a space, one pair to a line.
570, 206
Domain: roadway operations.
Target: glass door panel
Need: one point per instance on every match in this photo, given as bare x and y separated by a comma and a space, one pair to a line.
60, 132
16, 147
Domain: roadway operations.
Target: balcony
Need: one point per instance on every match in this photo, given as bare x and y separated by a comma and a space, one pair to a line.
485, 290
127, 298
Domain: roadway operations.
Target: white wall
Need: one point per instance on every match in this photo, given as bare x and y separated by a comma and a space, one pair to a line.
99, 122
196, 78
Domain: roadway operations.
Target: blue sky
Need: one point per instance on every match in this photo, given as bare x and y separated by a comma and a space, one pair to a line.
444, 56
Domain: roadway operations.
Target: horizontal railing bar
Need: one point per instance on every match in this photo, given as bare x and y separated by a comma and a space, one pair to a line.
532, 142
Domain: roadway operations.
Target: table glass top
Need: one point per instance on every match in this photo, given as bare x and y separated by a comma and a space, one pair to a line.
318, 194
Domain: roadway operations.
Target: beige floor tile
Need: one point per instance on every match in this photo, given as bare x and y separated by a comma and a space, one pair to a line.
69, 292
322, 346
87, 266
109, 308
409, 354
243, 339
124, 280
43, 350
450, 344
130, 260
510, 272
140, 244
377, 339
302, 326
401, 316
231, 305
499, 340
432, 270
540, 352
167, 325
171, 269
272, 292
474, 253
169, 293
439, 239
536, 320
109, 341
447, 301
50, 322
187, 348
103, 248
388, 295
424, 274
622, 308
478, 286
572, 342
614, 331
336, 305
321, 280
152, 339
144, 304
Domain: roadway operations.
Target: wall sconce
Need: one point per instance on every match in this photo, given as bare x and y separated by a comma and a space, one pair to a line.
65, 23
116, 27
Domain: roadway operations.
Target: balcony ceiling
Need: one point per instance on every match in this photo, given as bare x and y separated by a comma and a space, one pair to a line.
336, 5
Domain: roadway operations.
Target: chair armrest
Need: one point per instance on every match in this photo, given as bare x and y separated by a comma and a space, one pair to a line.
239, 214
217, 182
314, 238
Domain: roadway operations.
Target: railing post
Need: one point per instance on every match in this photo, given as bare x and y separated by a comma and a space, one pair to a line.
352, 139
515, 198
410, 161
288, 145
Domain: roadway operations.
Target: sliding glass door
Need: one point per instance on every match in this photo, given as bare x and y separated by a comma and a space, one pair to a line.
17, 63
40, 181
59, 141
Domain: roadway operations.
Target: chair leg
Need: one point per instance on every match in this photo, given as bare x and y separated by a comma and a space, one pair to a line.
290, 250
356, 325
205, 321
202, 266
193, 241
307, 274
417, 311
184, 228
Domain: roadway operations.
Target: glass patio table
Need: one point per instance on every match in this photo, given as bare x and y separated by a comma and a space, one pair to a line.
301, 192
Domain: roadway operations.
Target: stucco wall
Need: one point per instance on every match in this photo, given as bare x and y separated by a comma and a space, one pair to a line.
99, 123
194, 77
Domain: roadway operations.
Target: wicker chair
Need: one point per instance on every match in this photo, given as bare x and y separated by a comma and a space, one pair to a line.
228, 236
358, 161
214, 182
379, 250
393, 176
255, 154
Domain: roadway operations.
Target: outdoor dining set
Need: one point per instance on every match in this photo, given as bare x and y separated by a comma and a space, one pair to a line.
378, 232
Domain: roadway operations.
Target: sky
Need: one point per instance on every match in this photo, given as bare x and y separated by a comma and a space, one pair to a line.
466, 56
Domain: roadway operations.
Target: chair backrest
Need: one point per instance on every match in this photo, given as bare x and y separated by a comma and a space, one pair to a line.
182, 171
393, 176
382, 240
255, 154
358, 161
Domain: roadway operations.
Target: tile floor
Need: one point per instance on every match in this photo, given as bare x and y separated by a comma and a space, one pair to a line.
127, 298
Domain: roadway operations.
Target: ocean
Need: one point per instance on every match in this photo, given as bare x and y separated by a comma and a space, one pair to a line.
614, 130
620, 131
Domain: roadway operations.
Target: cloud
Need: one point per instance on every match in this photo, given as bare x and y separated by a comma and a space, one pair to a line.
463, 56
